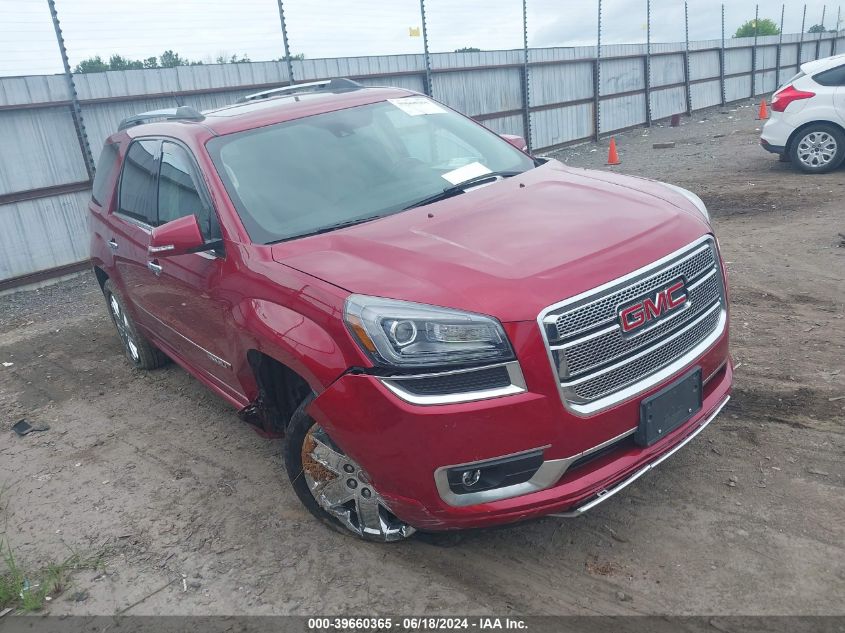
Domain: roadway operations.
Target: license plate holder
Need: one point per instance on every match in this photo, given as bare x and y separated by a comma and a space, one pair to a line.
669, 408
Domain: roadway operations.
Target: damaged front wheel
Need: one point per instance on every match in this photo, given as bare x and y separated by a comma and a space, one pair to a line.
333, 487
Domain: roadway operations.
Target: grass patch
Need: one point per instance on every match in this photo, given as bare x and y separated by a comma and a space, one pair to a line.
28, 590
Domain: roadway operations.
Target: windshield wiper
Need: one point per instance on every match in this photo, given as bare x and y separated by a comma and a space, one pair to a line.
454, 190
329, 228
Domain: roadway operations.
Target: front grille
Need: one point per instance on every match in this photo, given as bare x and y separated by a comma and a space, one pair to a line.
594, 359
584, 355
603, 309
656, 357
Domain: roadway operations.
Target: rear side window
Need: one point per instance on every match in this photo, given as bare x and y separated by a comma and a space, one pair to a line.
106, 166
138, 183
832, 77
180, 192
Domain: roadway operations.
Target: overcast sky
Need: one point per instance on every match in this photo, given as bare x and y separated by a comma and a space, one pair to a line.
202, 30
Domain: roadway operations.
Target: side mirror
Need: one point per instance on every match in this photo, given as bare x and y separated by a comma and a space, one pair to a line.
517, 141
176, 238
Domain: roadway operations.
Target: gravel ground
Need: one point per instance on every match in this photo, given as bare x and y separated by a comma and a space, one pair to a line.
159, 476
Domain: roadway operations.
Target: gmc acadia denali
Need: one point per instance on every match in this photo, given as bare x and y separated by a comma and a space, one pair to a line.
448, 332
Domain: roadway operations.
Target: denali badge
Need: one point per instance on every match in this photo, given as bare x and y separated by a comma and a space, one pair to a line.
653, 307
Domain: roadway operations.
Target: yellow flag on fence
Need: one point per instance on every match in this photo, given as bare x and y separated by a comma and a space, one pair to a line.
413, 31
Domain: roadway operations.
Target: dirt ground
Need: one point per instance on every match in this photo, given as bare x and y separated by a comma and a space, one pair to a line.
158, 475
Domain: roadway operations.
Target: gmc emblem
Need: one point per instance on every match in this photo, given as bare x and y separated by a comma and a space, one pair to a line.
653, 307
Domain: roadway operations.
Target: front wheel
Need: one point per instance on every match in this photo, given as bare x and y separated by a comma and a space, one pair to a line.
818, 149
333, 487
140, 352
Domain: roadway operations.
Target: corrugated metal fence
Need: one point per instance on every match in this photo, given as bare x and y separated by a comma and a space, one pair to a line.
44, 185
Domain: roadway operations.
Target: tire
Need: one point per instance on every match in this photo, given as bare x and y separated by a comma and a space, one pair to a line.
818, 149
140, 352
333, 487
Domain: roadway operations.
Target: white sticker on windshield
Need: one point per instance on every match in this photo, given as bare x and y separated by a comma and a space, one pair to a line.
462, 174
416, 106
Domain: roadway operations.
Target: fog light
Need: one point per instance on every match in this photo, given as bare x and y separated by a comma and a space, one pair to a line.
494, 473
470, 477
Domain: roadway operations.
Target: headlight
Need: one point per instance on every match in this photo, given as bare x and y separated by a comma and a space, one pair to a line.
403, 334
689, 195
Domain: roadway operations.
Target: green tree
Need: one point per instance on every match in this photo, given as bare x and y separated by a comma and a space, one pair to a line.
169, 59
295, 57
151, 62
224, 58
819, 28
91, 65
468, 49
117, 62
760, 27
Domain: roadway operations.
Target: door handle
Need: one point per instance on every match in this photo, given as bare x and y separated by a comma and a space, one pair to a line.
112, 244
155, 268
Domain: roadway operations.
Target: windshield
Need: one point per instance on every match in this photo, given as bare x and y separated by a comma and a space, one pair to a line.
316, 173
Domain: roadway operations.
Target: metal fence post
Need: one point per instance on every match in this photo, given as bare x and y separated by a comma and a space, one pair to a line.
526, 89
285, 42
427, 57
597, 82
754, 51
819, 40
686, 60
780, 47
722, 60
75, 108
801, 39
648, 63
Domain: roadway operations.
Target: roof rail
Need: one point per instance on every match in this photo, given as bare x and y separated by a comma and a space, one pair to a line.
338, 84
182, 113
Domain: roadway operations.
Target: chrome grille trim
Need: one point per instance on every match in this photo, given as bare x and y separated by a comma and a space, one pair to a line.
597, 366
592, 313
595, 350
684, 339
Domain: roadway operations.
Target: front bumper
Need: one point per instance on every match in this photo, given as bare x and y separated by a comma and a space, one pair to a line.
402, 445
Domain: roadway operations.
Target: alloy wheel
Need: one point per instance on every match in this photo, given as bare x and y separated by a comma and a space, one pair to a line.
343, 489
121, 321
817, 149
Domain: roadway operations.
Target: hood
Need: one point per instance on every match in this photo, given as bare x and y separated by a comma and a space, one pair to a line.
508, 249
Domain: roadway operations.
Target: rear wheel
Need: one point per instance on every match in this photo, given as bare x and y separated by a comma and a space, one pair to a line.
140, 352
333, 486
818, 149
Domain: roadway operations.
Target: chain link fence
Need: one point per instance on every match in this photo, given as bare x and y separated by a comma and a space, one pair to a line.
554, 75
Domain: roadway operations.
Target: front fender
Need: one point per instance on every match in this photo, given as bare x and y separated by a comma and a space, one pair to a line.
298, 342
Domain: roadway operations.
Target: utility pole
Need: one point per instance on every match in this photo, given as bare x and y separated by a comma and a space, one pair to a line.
526, 94
285, 42
428, 87
722, 60
801, 40
648, 63
780, 47
75, 108
687, 67
597, 82
754, 51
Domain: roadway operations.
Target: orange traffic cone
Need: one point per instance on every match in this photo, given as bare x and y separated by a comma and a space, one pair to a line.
764, 111
612, 155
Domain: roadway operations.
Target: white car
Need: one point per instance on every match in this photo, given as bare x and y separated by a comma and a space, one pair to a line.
807, 124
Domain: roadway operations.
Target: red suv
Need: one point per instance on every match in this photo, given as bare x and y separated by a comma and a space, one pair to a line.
448, 332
